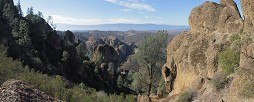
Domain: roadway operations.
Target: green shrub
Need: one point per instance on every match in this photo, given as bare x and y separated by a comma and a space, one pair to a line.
138, 84
236, 42
9, 68
219, 80
235, 39
185, 96
229, 60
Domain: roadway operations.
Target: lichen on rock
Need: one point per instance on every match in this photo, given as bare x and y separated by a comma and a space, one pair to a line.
192, 57
211, 16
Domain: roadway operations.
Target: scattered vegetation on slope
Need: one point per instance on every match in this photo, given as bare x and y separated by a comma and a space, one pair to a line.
56, 86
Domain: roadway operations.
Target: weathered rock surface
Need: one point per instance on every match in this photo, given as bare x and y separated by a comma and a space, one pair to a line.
123, 50
106, 58
18, 91
192, 57
105, 54
248, 14
210, 17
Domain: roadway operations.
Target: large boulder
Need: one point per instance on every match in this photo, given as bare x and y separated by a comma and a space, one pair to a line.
18, 91
211, 16
248, 14
192, 57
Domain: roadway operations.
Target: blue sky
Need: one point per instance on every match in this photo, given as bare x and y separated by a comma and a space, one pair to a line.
93, 12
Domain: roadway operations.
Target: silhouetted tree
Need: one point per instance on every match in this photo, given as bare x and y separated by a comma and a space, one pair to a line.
19, 8
40, 14
50, 22
30, 11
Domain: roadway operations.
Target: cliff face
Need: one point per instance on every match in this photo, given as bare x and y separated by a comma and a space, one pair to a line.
192, 57
105, 54
248, 13
123, 50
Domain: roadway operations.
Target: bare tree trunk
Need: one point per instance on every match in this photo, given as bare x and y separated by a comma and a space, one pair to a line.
149, 87
150, 75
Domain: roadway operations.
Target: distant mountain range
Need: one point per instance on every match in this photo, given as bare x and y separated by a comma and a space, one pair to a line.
120, 27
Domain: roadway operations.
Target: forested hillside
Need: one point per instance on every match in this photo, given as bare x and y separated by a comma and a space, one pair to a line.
75, 67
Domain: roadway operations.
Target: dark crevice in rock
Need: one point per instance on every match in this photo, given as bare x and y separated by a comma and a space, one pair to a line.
246, 55
171, 74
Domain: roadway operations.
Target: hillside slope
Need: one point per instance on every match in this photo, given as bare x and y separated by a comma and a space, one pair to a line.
36, 44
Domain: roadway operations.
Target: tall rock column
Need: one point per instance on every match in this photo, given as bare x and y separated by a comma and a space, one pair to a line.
193, 56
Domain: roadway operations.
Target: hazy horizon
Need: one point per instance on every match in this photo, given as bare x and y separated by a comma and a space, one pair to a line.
76, 14
95, 12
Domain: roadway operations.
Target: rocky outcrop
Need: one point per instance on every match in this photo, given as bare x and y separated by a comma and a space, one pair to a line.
248, 14
105, 54
106, 59
18, 91
210, 17
123, 50
112, 41
192, 57
69, 36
